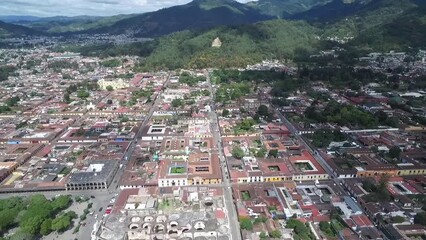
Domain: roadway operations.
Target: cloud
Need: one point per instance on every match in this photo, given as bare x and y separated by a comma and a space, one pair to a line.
45, 8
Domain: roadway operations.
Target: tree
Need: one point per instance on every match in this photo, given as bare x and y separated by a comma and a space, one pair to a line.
7, 217
177, 103
273, 153
263, 110
61, 223
67, 98
83, 94
109, 88
225, 113
13, 101
32, 224
237, 152
109, 101
394, 152
263, 235
245, 223
275, 234
61, 202
80, 132
420, 218
46, 227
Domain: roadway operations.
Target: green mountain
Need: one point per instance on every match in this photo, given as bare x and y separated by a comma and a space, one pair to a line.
241, 45
285, 8
405, 31
61, 24
377, 14
12, 30
199, 14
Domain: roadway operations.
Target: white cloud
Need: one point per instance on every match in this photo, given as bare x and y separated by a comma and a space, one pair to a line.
46, 8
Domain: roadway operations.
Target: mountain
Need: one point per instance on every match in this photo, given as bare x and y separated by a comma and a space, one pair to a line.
60, 24
14, 19
12, 30
376, 14
199, 14
285, 8
403, 32
241, 45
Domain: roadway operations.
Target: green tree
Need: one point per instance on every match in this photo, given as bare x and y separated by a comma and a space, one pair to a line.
32, 224
7, 217
83, 94
275, 234
13, 101
420, 218
109, 88
263, 110
61, 223
273, 153
80, 132
395, 152
46, 227
20, 235
67, 98
225, 113
237, 152
177, 103
246, 223
263, 235
61, 202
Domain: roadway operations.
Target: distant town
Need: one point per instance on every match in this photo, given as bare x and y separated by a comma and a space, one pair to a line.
189, 154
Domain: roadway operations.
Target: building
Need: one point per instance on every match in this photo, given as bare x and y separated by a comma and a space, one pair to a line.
216, 43
114, 83
98, 175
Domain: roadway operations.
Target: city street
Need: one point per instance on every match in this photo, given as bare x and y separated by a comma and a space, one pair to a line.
227, 189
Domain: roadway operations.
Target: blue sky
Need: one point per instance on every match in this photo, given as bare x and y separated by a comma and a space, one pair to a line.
46, 8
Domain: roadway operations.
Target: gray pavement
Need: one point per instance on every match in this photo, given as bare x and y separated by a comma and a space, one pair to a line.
234, 225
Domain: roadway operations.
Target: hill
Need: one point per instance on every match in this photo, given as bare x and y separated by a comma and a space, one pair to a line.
285, 8
199, 14
241, 45
62, 24
404, 32
12, 30
377, 14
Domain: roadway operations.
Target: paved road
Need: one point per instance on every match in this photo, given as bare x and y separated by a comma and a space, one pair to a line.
314, 153
229, 202
128, 154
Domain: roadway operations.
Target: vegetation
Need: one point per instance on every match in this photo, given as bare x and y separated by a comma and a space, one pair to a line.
12, 102
326, 228
301, 230
83, 94
192, 49
177, 170
246, 223
35, 215
190, 80
177, 102
273, 153
323, 137
246, 125
231, 91
420, 218
395, 152
377, 193
237, 152
111, 63
343, 115
62, 64
6, 71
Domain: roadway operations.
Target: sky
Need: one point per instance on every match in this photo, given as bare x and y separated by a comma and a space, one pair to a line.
48, 8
